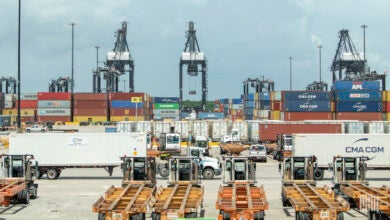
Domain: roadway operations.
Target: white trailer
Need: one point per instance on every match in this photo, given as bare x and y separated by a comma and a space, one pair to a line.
326, 146
57, 151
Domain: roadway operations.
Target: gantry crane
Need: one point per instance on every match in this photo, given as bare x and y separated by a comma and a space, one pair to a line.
317, 86
10, 85
196, 63
352, 62
264, 85
119, 62
62, 84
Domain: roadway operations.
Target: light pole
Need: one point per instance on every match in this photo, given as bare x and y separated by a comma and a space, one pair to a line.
364, 42
18, 117
319, 47
290, 72
97, 57
72, 86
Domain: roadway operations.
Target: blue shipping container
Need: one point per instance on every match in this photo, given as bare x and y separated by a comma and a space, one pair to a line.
306, 96
249, 104
110, 129
358, 106
211, 115
264, 96
236, 101
5, 120
265, 104
166, 99
311, 106
125, 104
249, 97
356, 85
358, 95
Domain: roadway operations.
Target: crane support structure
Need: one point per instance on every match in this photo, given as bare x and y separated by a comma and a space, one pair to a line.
119, 62
62, 84
264, 85
195, 61
10, 85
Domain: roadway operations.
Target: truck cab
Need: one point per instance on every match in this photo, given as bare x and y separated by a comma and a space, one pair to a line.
169, 142
202, 142
37, 128
284, 147
209, 167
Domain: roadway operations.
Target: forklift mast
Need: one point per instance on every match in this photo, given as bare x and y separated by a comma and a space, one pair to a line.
239, 169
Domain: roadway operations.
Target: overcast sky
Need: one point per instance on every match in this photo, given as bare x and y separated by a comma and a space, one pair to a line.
240, 39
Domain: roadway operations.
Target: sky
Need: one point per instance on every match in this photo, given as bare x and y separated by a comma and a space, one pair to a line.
241, 40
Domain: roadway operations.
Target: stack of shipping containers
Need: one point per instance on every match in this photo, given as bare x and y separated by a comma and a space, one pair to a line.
276, 103
262, 106
235, 109
218, 106
358, 100
386, 106
123, 109
28, 107
54, 106
166, 108
91, 107
249, 106
306, 105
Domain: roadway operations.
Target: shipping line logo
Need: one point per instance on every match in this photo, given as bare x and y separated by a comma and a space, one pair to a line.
77, 142
359, 95
363, 148
359, 107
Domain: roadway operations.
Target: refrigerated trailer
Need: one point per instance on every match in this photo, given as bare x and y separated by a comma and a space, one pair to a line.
57, 151
326, 146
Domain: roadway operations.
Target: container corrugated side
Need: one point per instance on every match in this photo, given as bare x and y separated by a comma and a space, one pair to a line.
127, 118
125, 104
301, 116
161, 127
89, 112
307, 106
358, 95
54, 118
166, 106
253, 130
90, 104
354, 127
242, 126
356, 85
358, 106
89, 118
90, 96
53, 104
53, 112
182, 127
54, 95
166, 99
218, 130
376, 127
276, 96
200, 128
306, 96
361, 116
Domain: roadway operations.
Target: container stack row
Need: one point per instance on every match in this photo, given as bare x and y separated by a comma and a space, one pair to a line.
90, 107
129, 106
166, 108
54, 106
28, 106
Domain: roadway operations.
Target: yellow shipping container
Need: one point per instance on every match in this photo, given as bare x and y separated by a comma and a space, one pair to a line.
386, 116
127, 118
256, 96
275, 115
90, 118
23, 112
386, 96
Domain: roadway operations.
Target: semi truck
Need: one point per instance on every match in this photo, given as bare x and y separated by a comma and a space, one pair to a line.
324, 146
57, 151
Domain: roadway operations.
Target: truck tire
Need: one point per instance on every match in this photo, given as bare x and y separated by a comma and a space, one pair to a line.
318, 174
259, 216
33, 192
139, 216
191, 215
24, 196
28, 130
164, 172
102, 216
156, 216
208, 173
43, 130
340, 216
52, 174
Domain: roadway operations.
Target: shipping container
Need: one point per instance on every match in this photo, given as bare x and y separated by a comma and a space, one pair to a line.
307, 106
275, 105
166, 106
110, 130
249, 97
253, 130
218, 129
126, 112
27, 119
358, 106
358, 95
269, 132
355, 85
376, 127
8, 104
125, 104
143, 127
166, 117
90, 118
249, 104
301, 116
386, 96
386, 106
237, 106
182, 127
53, 104
265, 105
23, 112
5, 120
275, 115
27, 96
127, 118
242, 126
166, 100
276, 96
354, 127
124, 126
102, 104
210, 115
89, 112
126, 96
305, 96
27, 104
53, 112
90, 96
54, 95
161, 127
200, 128
9, 97
53, 118
235, 101
361, 116
166, 111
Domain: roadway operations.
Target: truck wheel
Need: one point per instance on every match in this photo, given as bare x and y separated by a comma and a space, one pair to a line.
225, 215
318, 174
139, 216
340, 216
102, 216
43, 130
58, 173
191, 215
208, 173
259, 215
34, 192
36, 173
28, 130
164, 172
156, 216
24, 196
52, 174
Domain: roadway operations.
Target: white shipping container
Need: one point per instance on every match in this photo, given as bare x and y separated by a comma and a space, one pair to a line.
161, 127
9, 104
218, 129
27, 96
142, 127
325, 146
354, 127
124, 126
376, 127
242, 127
53, 111
78, 149
182, 127
9, 97
200, 128
253, 130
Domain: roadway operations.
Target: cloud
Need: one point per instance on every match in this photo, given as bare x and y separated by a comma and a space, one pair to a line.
316, 40
377, 61
308, 6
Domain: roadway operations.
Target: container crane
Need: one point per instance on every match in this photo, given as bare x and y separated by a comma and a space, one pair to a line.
10, 85
264, 85
196, 63
62, 84
119, 61
317, 86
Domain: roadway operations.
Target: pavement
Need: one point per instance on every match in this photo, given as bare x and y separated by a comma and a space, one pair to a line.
72, 195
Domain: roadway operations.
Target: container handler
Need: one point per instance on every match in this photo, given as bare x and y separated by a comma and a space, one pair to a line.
16, 180
132, 199
299, 191
349, 177
183, 197
239, 197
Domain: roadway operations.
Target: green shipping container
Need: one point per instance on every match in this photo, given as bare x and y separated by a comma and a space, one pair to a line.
166, 106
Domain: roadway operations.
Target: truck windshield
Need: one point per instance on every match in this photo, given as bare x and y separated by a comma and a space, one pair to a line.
174, 139
288, 141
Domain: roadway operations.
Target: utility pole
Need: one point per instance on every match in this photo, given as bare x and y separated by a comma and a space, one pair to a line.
290, 72
97, 57
319, 47
19, 130
364, 42
72, 86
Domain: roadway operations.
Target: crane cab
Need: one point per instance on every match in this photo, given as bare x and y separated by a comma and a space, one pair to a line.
183, 170
139, 170
239, 169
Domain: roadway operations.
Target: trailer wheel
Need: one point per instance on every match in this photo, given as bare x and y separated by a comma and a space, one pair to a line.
191, 215
52, 174
259, 215
225, 215
318, 174
208, 173
164, 172
102, 216
24, 196
340, 216
139, 216
156, 216
34, 192
58, 173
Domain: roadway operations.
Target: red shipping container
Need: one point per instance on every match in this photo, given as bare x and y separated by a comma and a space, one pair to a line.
126, 112
27, 104
54, 95
126, 95
53, 118
300, 116
269, 132
102, 104
361, 116
275, 105
27, 118
90, 112
90, 96
386, 106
